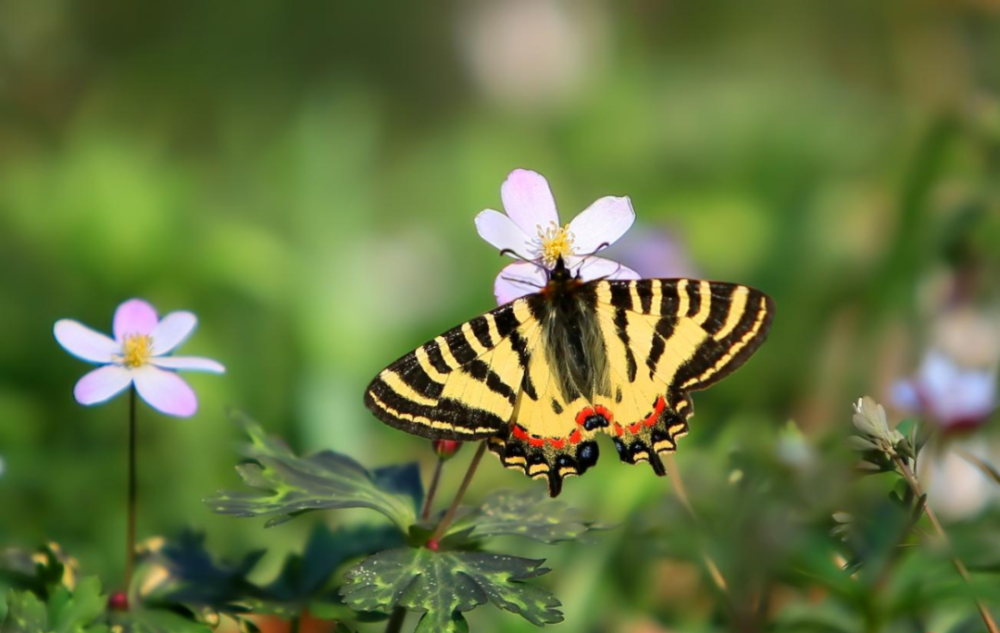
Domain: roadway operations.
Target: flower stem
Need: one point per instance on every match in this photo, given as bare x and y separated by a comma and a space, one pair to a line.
711, 568
395, 623
293, 624
132, 493
432, 490
960, 567
453, 508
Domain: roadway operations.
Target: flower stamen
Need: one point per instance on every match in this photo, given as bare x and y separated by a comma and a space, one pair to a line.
137, 350
556, 241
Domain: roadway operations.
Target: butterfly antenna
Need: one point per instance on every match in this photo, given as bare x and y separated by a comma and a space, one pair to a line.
523, 282
519, 257
600, 247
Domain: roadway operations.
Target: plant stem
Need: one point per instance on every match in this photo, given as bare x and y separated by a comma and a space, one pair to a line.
132, 493
293, 624
395, 623
432, 490
710, 566
960, 567
453, 508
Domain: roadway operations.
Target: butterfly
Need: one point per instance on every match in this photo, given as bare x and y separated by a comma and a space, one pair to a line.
541, 377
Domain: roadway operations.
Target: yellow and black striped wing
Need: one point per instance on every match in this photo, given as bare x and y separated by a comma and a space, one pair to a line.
464, 384
664, 339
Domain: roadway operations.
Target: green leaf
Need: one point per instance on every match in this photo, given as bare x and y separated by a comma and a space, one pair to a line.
25, 613
40, 571
156, 621
66, 611
531, 514
183, 573
286, 484
304, 581
443, 585
74, 612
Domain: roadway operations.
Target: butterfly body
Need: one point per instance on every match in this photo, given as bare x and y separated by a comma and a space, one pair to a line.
539, 378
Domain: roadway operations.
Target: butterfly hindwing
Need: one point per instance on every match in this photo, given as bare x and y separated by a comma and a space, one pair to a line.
462, 385
666, 338
547, 439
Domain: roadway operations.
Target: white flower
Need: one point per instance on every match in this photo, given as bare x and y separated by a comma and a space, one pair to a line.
531, 230
138, 355
957, 488
949, 394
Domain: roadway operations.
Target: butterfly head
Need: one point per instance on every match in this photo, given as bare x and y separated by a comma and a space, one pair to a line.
561, 279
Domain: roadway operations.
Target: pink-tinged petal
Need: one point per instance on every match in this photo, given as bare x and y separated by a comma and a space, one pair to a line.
528, 200
518, 279
102, 384
602, 223
189, 363
135, 316
165, 391
599, 268
172, 331
85, 343
500, 231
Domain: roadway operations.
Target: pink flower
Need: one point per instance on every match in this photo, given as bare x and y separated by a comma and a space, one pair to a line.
531, 230
138, 355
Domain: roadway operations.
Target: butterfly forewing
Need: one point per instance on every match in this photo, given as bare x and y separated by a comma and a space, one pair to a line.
462, 385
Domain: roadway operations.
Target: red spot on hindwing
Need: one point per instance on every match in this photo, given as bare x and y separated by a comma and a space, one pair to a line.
520, 433
575, 436
557, 443
658, 408
599, 410
605, 413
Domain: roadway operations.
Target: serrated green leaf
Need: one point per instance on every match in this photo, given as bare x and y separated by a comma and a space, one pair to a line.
65, 612
443, 585
531, 514
25, 613
75, 612
286, 484
304, 581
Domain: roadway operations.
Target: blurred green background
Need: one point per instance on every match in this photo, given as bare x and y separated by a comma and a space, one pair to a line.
304, 176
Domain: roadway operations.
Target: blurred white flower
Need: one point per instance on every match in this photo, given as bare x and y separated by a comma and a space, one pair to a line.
532, 53
956, 488
956, 383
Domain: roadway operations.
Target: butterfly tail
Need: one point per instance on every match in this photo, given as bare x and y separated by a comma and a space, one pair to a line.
552, 462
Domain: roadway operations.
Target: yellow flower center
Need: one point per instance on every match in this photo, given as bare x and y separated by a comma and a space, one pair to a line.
138, 349
557, 241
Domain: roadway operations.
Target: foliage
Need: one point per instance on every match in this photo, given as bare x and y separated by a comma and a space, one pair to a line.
530, 514
443, 585
66, 611
287, 485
